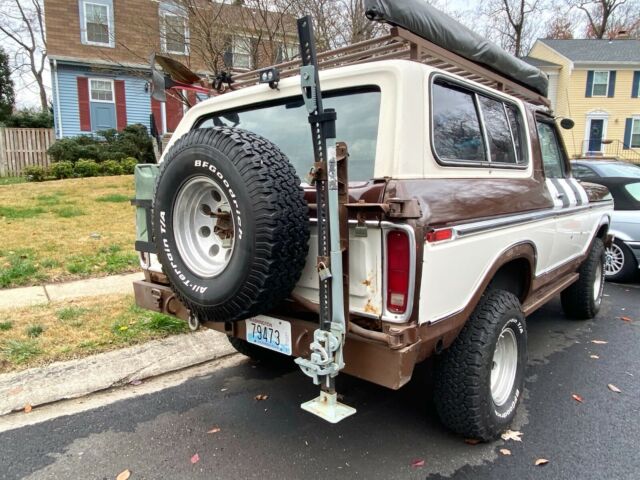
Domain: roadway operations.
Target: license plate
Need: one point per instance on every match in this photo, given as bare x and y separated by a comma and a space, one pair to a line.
269, 332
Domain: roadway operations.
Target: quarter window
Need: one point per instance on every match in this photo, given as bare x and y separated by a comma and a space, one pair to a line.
101, 90
97, 23
475, 129
552, 157
600, 84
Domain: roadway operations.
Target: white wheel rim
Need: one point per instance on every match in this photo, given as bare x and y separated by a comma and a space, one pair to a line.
504, 366
614, 260
597, 283
203, 227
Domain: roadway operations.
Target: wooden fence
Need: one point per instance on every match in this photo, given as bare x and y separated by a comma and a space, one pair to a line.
24, 147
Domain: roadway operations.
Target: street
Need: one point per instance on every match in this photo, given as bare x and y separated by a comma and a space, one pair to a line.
156, 435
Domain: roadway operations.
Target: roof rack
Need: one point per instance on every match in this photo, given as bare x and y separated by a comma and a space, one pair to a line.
402, 44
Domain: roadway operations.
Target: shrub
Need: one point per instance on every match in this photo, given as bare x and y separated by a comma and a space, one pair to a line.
87, 168
133, 141
111, 167
34, 331
62, 169
129, 165
30, 119
35, 173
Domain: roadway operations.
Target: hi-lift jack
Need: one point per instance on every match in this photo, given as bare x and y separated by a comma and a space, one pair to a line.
326, 359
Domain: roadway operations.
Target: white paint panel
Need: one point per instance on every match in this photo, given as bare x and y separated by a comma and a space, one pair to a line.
453, 271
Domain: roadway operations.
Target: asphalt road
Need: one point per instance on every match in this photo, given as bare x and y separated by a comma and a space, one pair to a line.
156, 435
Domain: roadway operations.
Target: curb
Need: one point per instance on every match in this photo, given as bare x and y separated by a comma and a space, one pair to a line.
76, 378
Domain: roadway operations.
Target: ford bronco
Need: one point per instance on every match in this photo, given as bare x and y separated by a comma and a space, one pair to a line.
445, 214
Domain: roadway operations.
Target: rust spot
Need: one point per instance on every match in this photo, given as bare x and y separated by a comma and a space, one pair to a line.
369, 308
366, 282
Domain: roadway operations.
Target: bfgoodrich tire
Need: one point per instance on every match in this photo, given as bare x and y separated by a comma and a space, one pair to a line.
230, 223
582, 300
479, 380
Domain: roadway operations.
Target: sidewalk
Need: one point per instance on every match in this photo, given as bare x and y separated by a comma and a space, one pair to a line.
54, 292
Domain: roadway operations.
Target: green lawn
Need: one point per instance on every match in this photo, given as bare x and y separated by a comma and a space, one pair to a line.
66, 229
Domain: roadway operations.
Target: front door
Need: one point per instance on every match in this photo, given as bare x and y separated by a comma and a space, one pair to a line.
595, 135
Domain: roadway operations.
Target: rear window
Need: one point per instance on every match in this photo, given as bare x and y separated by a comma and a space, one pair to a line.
285, 123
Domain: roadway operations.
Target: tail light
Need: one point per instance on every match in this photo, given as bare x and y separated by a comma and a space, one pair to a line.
398, 264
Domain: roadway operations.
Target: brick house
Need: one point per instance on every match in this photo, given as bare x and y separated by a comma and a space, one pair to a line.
99, 53
597, 84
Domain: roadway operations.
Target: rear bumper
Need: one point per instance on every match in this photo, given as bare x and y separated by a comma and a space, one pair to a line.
364, 358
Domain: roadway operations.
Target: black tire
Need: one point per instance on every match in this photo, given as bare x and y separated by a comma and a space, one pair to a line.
463, 392
629, 265
581, 301
270, 222
257, 353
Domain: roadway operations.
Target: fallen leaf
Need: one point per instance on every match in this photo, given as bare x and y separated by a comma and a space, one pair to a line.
471, 441
541, 461
261, 396
613, 388
577, 398
417, 463
505, 451
594, 356
599, 342
195, 458
626, 319
124, 475
224, 389
511, 435
214, 430
27, 408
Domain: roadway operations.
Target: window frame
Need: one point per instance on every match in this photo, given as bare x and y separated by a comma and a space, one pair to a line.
634, 121
163, 32
98, 79
593, 83
234, 43
566, 165
85, 33
476, 91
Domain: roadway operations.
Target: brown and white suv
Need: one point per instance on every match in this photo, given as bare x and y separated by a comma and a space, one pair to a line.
463, 218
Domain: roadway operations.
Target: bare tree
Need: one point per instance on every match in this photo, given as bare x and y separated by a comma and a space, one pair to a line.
514, 22
599, 15
560, 27
22, 24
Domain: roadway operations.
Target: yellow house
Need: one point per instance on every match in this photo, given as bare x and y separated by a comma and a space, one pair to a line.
596, 83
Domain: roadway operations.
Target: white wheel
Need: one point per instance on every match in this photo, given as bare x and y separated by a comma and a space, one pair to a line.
504, 366
614, 260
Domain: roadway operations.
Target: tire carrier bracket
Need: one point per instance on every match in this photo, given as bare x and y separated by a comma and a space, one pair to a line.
326, 359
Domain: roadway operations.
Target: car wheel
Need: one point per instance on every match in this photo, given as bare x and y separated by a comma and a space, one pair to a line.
619, 264
479, 380
230, 223
582, 300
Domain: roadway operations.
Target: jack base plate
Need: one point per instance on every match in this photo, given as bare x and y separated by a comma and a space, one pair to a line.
327, 407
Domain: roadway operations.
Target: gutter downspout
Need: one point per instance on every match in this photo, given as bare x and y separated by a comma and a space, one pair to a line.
55, 71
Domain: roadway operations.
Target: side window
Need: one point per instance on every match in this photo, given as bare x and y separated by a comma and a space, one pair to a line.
580, 171
469, 127
501, 144
551, 153
456, 128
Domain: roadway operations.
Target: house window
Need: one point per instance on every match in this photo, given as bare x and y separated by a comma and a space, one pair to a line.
174, 33
600, 84
101, 90
286, 52
635, 133
242, 52
97, 23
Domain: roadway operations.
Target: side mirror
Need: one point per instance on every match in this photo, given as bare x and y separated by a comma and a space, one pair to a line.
567, 123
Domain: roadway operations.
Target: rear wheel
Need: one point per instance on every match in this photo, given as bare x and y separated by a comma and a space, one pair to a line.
479, 380
620, 264
582, 300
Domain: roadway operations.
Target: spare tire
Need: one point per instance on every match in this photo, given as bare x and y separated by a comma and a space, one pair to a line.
230, 223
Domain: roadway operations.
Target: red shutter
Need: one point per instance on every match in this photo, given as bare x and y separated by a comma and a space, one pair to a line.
174, 108
156, 109
83, 104
121, 104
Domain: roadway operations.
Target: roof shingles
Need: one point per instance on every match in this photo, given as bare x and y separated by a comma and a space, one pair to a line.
594, 51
